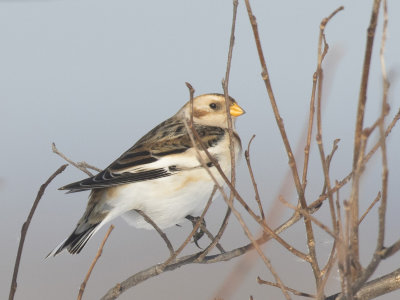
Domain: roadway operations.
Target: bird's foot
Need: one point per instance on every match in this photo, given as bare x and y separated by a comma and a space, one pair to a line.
199, 233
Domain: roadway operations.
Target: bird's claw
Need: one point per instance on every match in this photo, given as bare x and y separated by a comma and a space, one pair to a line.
199, 233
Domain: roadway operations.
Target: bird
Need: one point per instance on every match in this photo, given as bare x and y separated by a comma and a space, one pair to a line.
163, 174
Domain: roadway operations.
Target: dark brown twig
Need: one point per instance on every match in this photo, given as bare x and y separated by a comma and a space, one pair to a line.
25, 227
99, 252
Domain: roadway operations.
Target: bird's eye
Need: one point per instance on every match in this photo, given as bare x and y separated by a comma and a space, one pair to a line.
213, 105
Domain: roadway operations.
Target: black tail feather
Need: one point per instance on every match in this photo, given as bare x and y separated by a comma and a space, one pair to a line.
76, 241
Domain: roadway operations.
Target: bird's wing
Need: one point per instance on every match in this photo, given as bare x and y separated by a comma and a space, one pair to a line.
160, 153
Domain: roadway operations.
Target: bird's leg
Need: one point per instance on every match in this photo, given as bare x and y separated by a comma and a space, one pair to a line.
199, 233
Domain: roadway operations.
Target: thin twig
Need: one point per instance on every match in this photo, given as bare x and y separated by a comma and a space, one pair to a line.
369, 270
211, 237
25, 227
362, 98
325, 160
346, 259
326, 271
329, 159
383, 203
225, 84
377, 198
389, 251
253, 181
306, 214
387, 132
81, 166
293, 291
341, 245
354, 203
191, 94
84, 164
99, 252
322, 51
279, 121
158, 229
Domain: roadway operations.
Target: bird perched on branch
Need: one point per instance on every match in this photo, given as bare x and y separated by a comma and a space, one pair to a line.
162, 174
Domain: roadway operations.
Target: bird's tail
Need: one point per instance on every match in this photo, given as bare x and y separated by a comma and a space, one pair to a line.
77, 240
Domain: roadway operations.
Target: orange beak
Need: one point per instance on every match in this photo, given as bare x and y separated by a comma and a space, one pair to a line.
236, 110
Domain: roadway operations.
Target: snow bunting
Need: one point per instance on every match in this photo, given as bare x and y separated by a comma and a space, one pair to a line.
161, 174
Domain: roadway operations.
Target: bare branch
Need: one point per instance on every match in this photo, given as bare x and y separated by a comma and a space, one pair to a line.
293, 291
389, 251
81, 166
377, 198
387, 132
99, 252
25, 227
375, 288
308, 215
385, 173
359, 128
364, 80
211, 237
247, 156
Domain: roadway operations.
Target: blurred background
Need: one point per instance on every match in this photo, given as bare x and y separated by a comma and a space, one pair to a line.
93, 76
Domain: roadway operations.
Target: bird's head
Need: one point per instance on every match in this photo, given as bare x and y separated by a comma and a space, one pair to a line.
210, 110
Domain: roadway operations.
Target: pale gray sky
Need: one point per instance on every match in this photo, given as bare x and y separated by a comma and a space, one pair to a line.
93, 76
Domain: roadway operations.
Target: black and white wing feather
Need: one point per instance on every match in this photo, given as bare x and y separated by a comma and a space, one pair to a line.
143, 161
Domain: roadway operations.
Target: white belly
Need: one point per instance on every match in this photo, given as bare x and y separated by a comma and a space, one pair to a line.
167, 201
